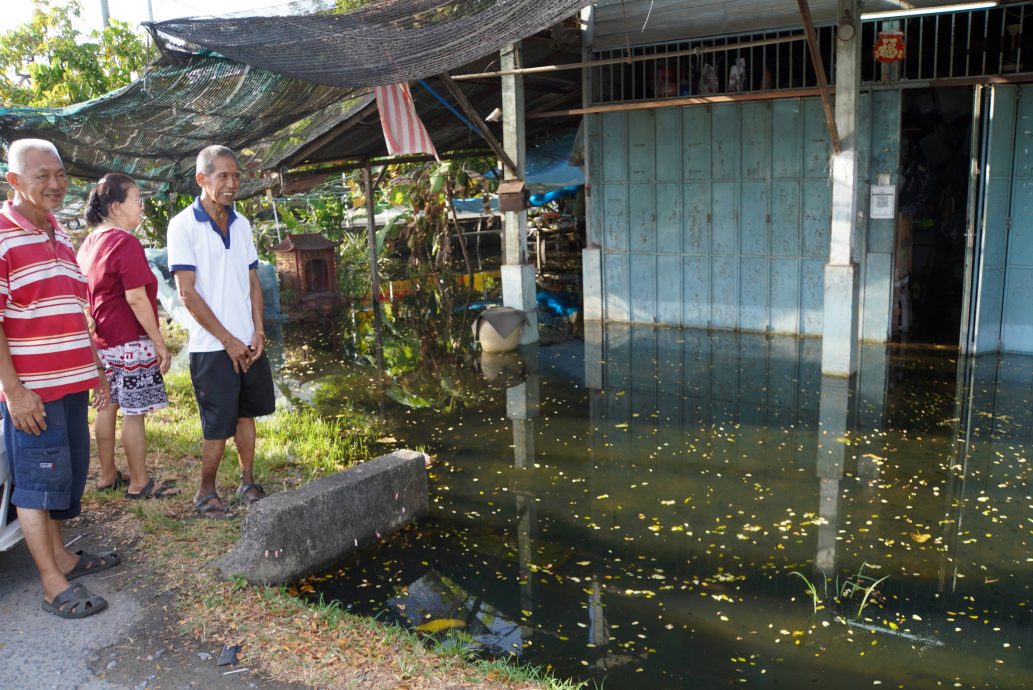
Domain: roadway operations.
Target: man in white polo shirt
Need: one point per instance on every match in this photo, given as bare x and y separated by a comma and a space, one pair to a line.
212, 255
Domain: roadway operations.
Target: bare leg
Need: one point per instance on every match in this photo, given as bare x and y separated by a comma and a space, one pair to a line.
39, 531
134, 443
104, 430
245, 440
211, 457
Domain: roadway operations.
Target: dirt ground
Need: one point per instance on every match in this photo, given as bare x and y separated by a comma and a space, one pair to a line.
134, 644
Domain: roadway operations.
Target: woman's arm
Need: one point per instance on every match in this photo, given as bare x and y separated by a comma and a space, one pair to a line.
141, 306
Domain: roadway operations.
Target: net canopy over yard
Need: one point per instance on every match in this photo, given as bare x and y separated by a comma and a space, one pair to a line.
153, 128
386, 42
272, 88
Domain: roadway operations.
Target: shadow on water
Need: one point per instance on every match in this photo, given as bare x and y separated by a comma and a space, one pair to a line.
633, 507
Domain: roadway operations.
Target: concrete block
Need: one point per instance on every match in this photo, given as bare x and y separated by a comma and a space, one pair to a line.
839, 332
289, 535
520, 291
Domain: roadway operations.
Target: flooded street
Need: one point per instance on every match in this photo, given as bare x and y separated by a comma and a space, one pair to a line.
665, 508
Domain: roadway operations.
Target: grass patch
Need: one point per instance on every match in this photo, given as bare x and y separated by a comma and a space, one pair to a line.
286, 638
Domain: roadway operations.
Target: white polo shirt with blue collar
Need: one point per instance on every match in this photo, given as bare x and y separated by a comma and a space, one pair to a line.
222, 266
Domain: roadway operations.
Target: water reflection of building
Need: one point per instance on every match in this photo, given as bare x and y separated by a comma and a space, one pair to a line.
746, 412
649, 541
989, 474
522, 408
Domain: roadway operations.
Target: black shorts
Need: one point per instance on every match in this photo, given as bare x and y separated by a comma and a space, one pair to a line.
224, 395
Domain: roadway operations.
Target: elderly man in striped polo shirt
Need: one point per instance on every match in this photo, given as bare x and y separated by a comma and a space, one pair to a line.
47, 365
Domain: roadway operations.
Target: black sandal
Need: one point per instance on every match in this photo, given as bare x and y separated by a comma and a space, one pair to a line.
121, 481
75, 602
250, 500
204, 507
90, 563
149, 491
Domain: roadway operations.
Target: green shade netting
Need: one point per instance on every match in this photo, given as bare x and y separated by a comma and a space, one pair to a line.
385, 42
153, 128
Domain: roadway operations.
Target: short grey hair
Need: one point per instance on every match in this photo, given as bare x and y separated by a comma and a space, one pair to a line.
19, 149
206, 158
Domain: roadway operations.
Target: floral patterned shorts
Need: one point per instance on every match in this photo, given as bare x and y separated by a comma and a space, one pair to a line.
136, 382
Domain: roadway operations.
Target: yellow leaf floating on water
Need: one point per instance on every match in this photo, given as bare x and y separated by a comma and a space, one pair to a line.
441, 624
920, 537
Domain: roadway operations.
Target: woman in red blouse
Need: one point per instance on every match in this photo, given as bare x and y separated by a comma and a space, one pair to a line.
123, 303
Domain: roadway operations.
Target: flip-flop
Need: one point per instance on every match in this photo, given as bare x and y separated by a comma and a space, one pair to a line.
204, 507
75, 602
250, 486
121, 481
108, 559
149, 491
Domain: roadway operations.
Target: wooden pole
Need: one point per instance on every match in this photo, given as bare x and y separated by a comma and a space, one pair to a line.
459, 230
819, 71
472, 113
374, 277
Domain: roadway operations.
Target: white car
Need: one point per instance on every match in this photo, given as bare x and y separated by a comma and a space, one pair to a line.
10, 530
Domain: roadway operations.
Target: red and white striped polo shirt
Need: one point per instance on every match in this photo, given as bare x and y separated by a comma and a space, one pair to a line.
42, 295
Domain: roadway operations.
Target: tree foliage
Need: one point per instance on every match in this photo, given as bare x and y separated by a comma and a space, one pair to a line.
48, 62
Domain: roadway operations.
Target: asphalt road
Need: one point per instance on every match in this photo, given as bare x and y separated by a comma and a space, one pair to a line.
133, 644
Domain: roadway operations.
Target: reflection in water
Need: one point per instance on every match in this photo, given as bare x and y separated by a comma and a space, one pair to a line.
630, 508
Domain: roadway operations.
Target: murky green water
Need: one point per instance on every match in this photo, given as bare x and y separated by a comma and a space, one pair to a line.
631, 509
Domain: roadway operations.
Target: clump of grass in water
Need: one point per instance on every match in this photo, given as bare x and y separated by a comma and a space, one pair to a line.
857, 583
861, 583
812, 591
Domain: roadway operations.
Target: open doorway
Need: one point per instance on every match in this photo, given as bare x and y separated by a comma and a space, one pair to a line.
936, 127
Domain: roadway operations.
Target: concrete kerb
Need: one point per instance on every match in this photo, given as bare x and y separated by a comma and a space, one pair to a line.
289, 535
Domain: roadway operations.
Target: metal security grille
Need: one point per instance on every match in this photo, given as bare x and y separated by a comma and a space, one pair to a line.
770, 61
957, 45
973, 43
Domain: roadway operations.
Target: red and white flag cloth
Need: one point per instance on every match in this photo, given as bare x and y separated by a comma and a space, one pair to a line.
403, 130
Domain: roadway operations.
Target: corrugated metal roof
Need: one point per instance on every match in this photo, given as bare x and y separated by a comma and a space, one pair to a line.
636, 22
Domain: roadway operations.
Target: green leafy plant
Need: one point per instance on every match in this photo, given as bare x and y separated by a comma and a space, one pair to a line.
48, 62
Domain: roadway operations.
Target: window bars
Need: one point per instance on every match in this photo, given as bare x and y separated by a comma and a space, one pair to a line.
957, 45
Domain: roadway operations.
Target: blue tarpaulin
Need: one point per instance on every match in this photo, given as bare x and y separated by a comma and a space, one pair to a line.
549, 175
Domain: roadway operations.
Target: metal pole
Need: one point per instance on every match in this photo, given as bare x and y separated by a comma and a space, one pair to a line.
374, 278
105, 20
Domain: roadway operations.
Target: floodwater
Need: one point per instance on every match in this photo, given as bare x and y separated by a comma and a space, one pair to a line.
664, 508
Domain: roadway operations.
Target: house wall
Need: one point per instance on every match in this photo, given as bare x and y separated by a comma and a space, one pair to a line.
713, 216
1017, 317
718, 216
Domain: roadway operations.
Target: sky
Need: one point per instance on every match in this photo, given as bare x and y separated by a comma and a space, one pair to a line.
17, 12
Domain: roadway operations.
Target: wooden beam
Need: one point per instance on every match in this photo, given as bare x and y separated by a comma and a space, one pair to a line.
819, 71
475, 117
319, 142
348, 164
690, 100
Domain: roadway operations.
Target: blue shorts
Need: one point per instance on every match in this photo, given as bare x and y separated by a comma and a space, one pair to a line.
49, 470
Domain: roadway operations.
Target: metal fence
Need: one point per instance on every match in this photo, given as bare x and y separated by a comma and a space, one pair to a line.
966, 44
